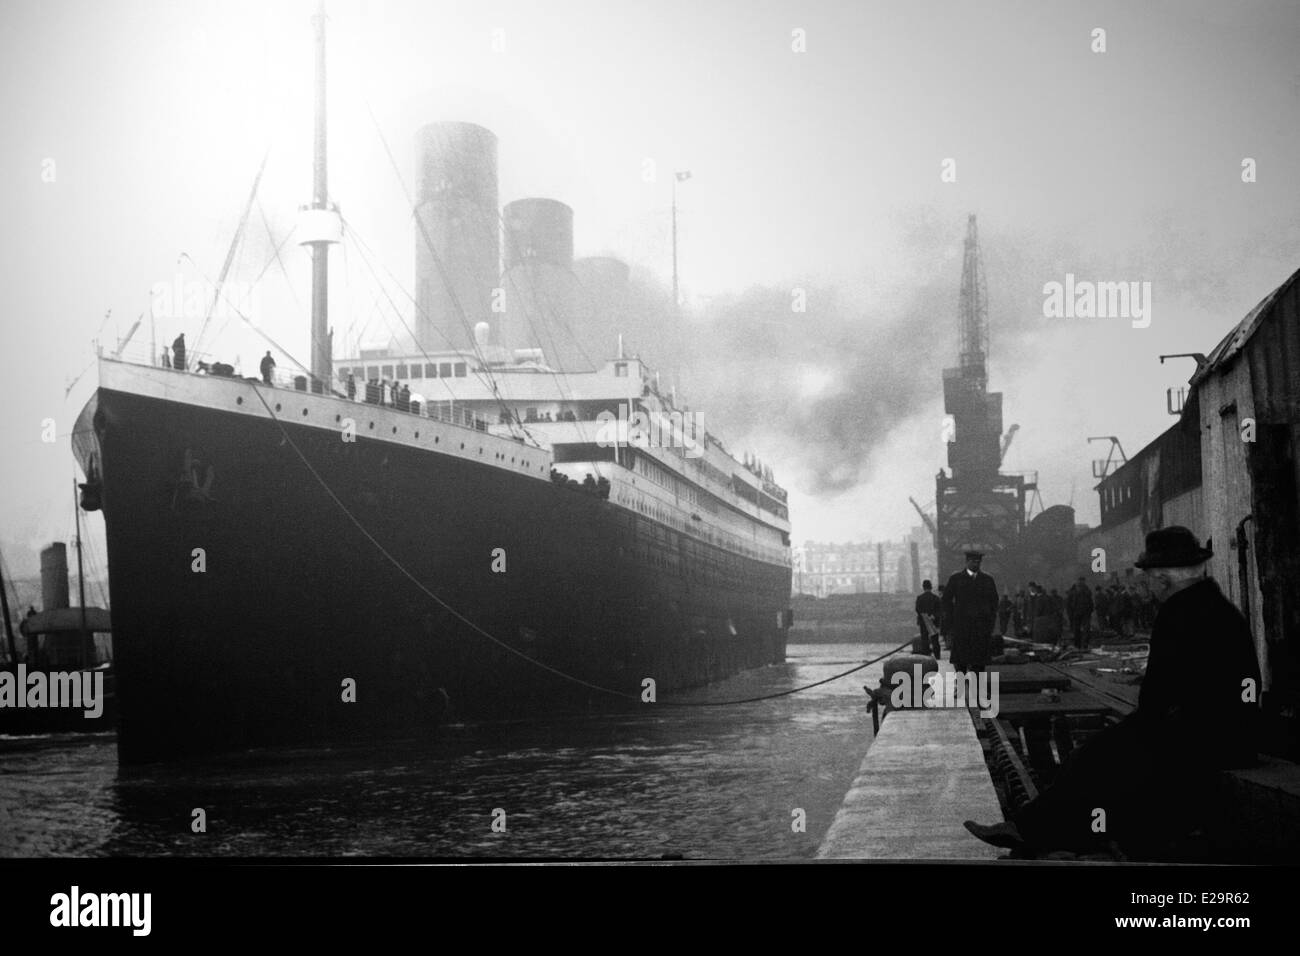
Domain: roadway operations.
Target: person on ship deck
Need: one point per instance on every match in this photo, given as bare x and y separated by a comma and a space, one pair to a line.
178, 352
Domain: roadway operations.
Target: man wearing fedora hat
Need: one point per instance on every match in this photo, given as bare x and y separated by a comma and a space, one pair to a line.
970, 604
1151, 773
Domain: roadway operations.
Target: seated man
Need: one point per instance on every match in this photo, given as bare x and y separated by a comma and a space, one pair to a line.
1143, 783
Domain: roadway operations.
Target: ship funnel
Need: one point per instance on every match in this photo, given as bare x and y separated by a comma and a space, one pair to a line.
540, 287
54, 577
457, 238
604, 305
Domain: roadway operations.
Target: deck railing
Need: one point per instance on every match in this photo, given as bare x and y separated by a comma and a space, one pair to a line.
293, 379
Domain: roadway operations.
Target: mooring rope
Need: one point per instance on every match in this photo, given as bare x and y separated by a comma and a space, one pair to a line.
402, 569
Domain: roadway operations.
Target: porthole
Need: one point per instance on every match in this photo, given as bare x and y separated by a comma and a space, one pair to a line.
338, 418
417, 434
239, 400
372, 426
304, 413
394, 429
277, 406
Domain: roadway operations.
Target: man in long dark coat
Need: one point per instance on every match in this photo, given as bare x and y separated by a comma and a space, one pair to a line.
1101, 603
929, 610
1005, 607
1033, 598
1078, 603
1197, 714
970, 603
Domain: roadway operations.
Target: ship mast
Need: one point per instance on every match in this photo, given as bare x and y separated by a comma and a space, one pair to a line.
322, 213
9, 627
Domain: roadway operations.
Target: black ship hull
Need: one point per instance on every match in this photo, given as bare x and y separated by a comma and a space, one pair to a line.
250, 586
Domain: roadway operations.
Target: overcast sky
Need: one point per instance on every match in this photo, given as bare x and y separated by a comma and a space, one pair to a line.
132, 131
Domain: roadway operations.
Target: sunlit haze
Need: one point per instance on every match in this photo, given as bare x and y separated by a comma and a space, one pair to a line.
814, 173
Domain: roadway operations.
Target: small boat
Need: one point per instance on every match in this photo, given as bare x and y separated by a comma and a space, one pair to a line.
63, 681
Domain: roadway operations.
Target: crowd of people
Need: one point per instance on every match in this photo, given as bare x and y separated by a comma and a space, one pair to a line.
380, 391
505, 418
599, 487
1042, 614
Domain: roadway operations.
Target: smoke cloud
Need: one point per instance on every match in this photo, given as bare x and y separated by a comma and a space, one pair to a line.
828, 371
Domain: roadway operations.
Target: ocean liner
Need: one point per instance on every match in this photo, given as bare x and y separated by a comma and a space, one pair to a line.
411, 535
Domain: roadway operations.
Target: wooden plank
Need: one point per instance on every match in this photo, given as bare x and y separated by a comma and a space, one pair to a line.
1037, 735
1124, 697
923, 776
1062, 737
1028, 678
1026, 780
1040, 705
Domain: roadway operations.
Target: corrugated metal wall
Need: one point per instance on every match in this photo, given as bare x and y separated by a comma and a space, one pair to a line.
1273, 357
1250, 426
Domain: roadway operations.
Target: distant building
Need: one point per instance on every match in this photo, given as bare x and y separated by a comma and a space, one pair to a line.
1159, 486
824, 568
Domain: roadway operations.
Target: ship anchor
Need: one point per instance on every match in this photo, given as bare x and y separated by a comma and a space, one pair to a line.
188, 484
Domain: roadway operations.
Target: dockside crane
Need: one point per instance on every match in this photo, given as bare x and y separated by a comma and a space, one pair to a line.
1006, 442
912, 549
929, 522
1101, 469
977, 506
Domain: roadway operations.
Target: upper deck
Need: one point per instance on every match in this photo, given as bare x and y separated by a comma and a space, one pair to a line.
702, 496
616, 413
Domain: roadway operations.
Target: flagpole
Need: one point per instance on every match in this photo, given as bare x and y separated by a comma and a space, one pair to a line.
679, 175
675, 299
